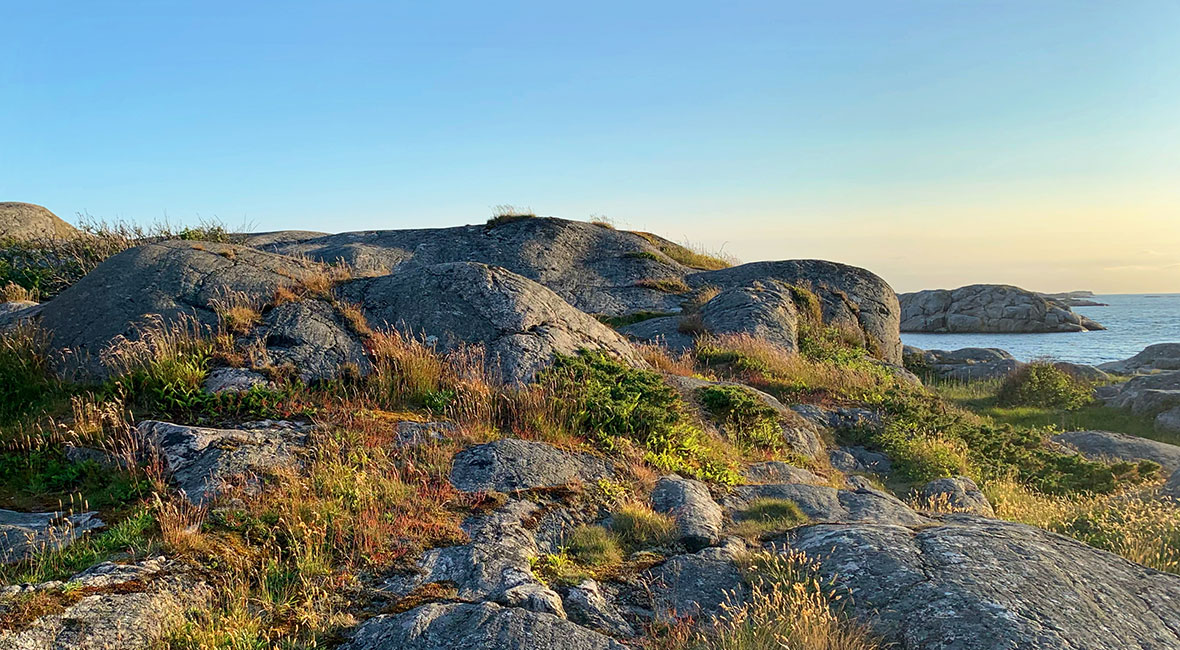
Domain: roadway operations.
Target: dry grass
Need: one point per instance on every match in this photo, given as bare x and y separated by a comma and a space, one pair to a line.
1136, 525
666, 361
237, 313
13, 292
664, 285
688, 254
504, 213
602, 221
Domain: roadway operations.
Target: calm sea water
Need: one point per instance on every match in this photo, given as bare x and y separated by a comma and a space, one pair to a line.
1132, 322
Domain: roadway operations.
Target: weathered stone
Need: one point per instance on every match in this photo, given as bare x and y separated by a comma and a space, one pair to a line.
1109, 446
313, 338
493, 563
966, 364
1081, 371
589, 607
699, 519
1171, 487
201, 461
859, 459
980, 584
987, 308
960, 494
24, 221
698, 585
510, 465
22, 534
844, 419
233, 380
764, 310
779, 472
520, 323
534, 597
1168, 421
441, 626
111, 607
825, 504
1153, 358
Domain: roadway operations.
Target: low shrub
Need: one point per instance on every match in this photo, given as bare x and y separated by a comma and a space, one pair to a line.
746, 419
768, 515
1042, 384
26, 379
593, 546
615, 405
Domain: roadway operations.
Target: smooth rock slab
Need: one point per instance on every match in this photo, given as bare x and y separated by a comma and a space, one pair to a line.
1153, 358
1168, 421
482, 626
959, 493
774, 471
23, 534
1111, 446
510, 465
699, 519
825, 504
983, 584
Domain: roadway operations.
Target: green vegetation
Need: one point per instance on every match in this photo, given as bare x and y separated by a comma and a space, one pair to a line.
593, 546
1041, 384
768, 515
664, 285
49, 265
27, 381
686, 255
747, 419
130, 535
638, 527
616, 406
643, 255
630, 319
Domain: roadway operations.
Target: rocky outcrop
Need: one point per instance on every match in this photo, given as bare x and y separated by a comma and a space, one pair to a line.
439, 626
980, 584
166, 284
1168, 421
957, 494
23, 221
966, 364
987, 308
202, 462
699, 519
826, 504
1075, 299
1153, 358
511, 465
699, 585
23, 534
106, 607
774, 471
1110, 446
520, 323
855, 458
1147, 395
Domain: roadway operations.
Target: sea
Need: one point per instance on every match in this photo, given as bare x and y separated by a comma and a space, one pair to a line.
1132, 321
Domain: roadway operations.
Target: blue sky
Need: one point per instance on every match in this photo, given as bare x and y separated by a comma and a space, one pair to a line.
936, 143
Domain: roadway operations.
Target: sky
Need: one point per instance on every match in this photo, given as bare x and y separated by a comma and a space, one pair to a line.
936, 143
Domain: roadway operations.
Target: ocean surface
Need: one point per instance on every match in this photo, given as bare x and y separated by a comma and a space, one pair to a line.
1132, 323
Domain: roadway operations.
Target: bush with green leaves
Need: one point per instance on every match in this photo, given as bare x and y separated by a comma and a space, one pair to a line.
1042, 384
26, 379
747, 419
613, 404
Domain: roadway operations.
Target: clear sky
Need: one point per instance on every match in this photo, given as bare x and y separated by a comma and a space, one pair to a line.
936, 143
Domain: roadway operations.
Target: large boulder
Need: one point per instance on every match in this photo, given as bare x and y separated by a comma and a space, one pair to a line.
979, 584
1110, 446
699, 519
1168, 421
23, 534
1153, 358
520, 323
106, 607
439, 626
826, 504
957, 494
511, 465
993, 308
24, 221
164, 284
1146, 395
201, 462
613, 272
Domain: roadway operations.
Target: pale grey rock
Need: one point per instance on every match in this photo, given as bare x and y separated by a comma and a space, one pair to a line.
699, 520
125, 607
966, 364
1153, 358
534, 597
858, 459
1082, 371
520, 323
1171, 487
493, 563
589, 606
510, 465
442, 626
764, 310
201, 461
1145, 395
234, 380
23, 534
661, 330
960, 493
698, 585
1168, 421
779, 472
825, 504
987, 308
969, 583
313, 338
841, 419
1108, 446
26, 221
413, 434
